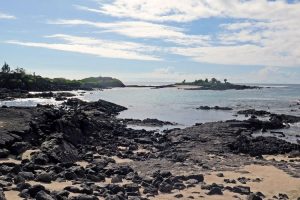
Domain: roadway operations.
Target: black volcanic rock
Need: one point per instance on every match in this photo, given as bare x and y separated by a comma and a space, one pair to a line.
253, 112
213, 108
4, 153
262, 146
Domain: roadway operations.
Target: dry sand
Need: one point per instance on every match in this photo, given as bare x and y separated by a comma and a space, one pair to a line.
82, 163
274, 181
281, 157
12, 195
27, 154
10, 160
54, 186
121, 160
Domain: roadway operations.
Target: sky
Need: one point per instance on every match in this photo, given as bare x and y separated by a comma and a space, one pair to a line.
245, 41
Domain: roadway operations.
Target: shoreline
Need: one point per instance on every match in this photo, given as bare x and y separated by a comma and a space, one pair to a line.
84, 134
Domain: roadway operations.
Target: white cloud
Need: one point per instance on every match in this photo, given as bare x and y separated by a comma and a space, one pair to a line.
102, 48
239, 55
139, 29
6, 16
267, 32
189, 10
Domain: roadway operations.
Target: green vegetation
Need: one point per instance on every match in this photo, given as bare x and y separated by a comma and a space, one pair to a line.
101, 82
19, 79
215, 84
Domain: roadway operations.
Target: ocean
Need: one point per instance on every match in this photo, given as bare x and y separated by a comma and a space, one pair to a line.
178, 105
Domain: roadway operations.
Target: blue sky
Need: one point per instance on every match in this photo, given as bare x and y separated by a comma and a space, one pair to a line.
151, 40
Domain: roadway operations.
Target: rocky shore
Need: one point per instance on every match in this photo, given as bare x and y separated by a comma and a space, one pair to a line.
6, 94
81, 151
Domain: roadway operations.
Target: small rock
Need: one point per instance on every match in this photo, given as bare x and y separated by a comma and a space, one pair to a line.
116, 179
241, 190
192, 182
165, 187
254, 197
215, 191
35, 189
4, 153
72, 189
86, 197
27, 175
19, 147
44, 178
2, 196
199, 177
232, 181
178, 196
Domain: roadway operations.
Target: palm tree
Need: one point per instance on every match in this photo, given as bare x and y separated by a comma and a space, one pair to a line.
5, 68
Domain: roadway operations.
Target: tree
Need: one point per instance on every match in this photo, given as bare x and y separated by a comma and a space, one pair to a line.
214, 80
5, 68
20, 70
206, 80
225, 80
183, 81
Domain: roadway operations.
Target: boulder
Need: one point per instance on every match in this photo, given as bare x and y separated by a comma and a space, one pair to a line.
19, 147
32, 191
42, 195
4, 153
60, 151
40, 158
27, 175
44, 178
165, 187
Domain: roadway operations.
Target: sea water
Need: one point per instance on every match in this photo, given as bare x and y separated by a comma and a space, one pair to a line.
178, 105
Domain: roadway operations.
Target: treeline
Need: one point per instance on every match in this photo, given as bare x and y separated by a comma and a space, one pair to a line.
206, 82
19, 79
214, 84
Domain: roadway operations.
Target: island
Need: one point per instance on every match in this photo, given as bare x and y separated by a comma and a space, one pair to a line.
214, 84
19, 79
17, 83
206, 84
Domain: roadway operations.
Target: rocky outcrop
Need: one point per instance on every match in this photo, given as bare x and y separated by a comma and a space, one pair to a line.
253, 112
147, 122
213, 108
262, 146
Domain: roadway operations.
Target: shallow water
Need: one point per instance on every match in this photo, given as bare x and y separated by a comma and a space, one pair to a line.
177, 105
